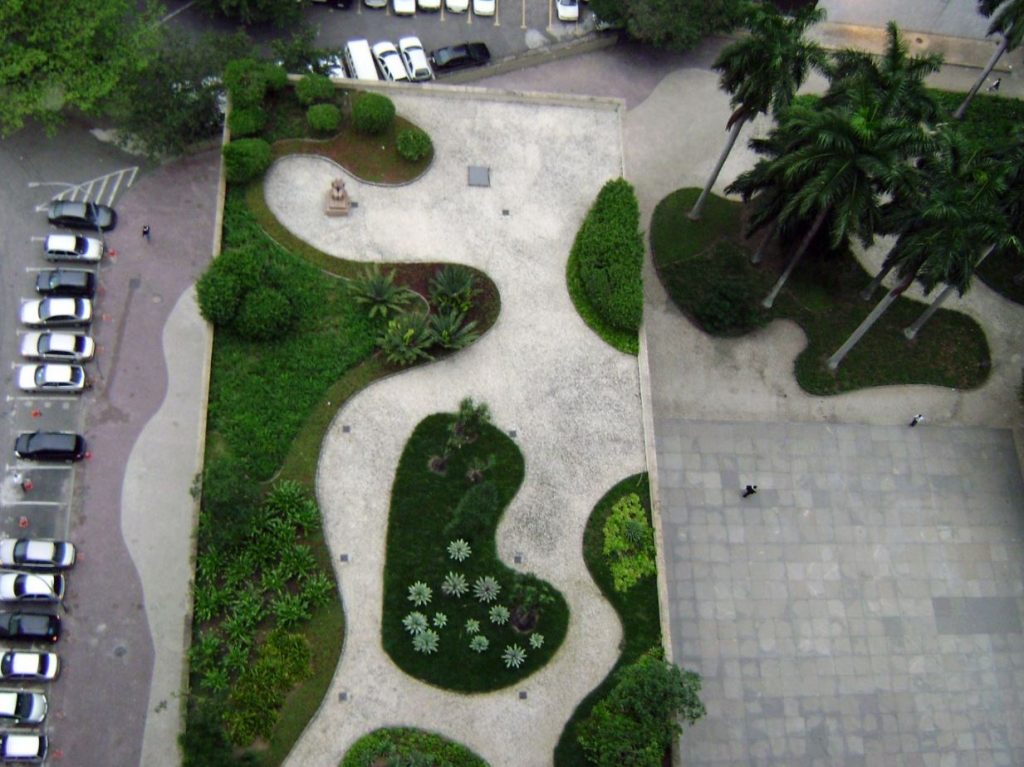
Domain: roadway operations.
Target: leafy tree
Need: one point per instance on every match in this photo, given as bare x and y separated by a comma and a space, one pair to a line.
763, 71
72, 54
892, 83
1008, 22
829, 164
299, 52
945, 222
675, 24
638, 720
278, 12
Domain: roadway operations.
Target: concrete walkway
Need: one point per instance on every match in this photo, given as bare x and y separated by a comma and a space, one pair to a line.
572, 401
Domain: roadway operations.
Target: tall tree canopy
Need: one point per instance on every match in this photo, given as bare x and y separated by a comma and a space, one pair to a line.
279, 12
59, 54
674, 24
1008, 22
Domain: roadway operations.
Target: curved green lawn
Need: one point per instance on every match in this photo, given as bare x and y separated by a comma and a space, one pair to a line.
422, 502
380, 746
705, 268
637, 609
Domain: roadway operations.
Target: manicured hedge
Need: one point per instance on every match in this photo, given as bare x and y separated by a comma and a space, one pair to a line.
314, 88
372, 114
323, 118
404, 745
246, 159
609, 254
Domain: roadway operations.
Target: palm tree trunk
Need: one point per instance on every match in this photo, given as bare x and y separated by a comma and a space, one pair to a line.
914, 328
959, 113
871, 319
873, 286
734, 133
758, 256
770, 298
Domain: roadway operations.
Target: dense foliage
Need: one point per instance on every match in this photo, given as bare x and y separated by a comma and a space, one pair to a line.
414, 144
246, 121
314, 88
373, 113
674, 24
278, 12
406, 747
629, 543
323, 118
607, 257
447, 500
246, 159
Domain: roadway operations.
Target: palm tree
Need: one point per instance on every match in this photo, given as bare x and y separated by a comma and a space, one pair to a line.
763, 70
945, 222
829, 164
1008, 22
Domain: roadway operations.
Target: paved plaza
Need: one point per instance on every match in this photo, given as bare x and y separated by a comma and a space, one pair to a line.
863, 608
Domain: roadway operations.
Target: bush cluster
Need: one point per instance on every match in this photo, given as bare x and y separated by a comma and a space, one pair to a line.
246, 121
629, 543
373, 114
246, 159
323, 118
609, 253
414, 144
314, 88
248, 81
405, 747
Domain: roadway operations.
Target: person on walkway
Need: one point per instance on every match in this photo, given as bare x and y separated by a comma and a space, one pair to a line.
916, 420
749, 490
995, 85
145, 231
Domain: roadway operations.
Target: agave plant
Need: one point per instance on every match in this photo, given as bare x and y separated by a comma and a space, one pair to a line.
486, 588
415, 623
450, 330
514, 656
479, 643
440, 620
379, 292
455, 584
452, 288
426, 642
536, 641
472, 626
498, 614
405, 340
459, 550
420, 594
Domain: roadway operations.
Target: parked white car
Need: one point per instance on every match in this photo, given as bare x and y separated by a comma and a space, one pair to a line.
390, 62
31, 587
484, 7
30, 666
57, 347
17, 707
403, 7
457, 6
36, 554
415, 59
52, 377
57, 310
568, 10
72, 247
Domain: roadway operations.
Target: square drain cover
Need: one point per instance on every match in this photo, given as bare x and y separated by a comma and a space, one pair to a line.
479, 175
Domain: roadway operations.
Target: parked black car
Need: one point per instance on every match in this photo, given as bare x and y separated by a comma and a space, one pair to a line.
460, 56
29, 627
50, 446
84, 215
66, 282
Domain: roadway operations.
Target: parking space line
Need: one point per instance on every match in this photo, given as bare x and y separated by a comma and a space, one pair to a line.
103, 187
497, 13
49, 398
33, 503
523, 25
38, 467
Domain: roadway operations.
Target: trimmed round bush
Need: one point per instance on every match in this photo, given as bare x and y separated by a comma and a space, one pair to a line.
275, 76
414, 144
313, 88
323, 118
218, 292
373, 113
246, 159
246, 121
265, 313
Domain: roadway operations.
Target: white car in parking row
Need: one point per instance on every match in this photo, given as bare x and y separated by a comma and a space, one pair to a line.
30, 666
57, 347
52, 378
390, 62
484, 7
457, 6
415, 59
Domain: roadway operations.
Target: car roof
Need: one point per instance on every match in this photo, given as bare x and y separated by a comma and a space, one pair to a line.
25, 662
71, 207
52, 439
40, 550
21, 745
62, 241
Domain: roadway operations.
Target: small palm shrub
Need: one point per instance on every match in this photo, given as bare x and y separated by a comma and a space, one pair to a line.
486, 588
415, 623
323, 118
405, 340
246, 122
479, 643
246, 159
536, 641
420, 593
377, 291
454, 585
470, 419
472, 626
314, 88
440, 620
373, 114
452, 289
413, 144
426, 642
450, 330
514, 656
498, 615
459, 550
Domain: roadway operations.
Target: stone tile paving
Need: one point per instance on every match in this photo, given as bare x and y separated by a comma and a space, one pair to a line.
863, 608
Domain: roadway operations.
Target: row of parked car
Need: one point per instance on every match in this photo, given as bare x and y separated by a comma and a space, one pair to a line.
32, 570
567, 10
406, 62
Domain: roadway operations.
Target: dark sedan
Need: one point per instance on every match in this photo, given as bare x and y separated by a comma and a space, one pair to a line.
82, 215
455, 57
50, 446
66, 282
29, 627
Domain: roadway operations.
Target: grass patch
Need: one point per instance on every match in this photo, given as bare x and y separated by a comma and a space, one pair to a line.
821, 296
422, 502
407, 744
637, 609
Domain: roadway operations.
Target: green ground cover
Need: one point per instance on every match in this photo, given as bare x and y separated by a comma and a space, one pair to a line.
424, 504
405, 746
705, 268
637, 609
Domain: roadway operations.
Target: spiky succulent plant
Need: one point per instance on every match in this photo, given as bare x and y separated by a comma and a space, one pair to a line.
459, 550
415, 623
455, 584
514, 656
536, 641
426, 642
472, 626
479, 643
486, 588
420, 593
499, 614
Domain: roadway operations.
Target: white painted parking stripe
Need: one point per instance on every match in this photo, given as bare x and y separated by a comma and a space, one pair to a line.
40, 466
56, 504
103, 186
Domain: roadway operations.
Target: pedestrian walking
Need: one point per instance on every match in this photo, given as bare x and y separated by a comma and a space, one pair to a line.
995, 85
145, 231
749, 490
916, 420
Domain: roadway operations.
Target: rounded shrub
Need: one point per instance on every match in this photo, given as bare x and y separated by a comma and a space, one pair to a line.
414, 144
265, 313
218, 293
323, 118
313, 88
275, 76
247, 121
246, 159
373, 113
